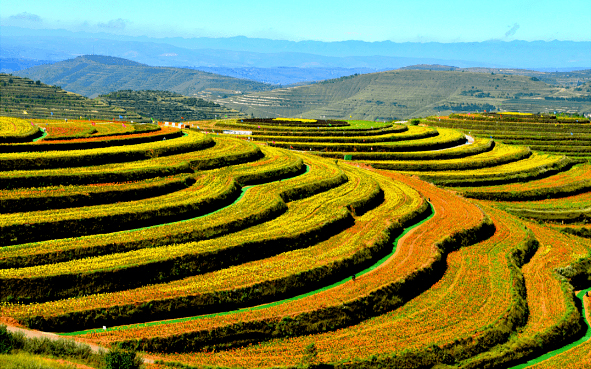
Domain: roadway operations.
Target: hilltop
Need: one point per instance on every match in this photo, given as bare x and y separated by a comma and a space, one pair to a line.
22, 97
407, 93
93, 75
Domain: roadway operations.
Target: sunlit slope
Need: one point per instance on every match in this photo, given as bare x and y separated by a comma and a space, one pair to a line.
25, 98
406, 93
91, 75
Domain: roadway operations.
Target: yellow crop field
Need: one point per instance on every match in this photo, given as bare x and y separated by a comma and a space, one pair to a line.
301, 242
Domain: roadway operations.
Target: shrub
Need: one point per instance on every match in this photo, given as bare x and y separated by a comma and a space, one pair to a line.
120, 359
5, 340
310, 354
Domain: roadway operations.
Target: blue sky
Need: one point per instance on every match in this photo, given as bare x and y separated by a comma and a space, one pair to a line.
329, 20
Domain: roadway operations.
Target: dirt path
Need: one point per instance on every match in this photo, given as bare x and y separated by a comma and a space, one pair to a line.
31, 333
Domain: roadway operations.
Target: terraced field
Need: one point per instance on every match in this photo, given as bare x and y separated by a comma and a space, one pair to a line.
25, 98
296, 243
544, 133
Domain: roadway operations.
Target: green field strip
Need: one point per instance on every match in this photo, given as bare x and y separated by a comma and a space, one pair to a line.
264, 306
41, 137
563, 349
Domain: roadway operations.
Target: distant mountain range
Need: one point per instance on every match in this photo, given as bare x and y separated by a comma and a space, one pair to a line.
243, 52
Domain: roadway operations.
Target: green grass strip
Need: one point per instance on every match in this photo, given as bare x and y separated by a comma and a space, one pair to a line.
41, 137
564, 348
264, 306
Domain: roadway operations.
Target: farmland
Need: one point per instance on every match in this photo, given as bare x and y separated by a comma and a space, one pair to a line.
24, 98
400, 93
448, 242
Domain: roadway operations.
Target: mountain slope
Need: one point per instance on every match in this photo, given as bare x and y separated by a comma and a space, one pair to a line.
406, 93
24, 98
92, 75
165, 106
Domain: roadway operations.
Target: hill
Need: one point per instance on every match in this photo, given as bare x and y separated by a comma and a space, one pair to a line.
165, 105
22, 97
407, 93
92, 75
